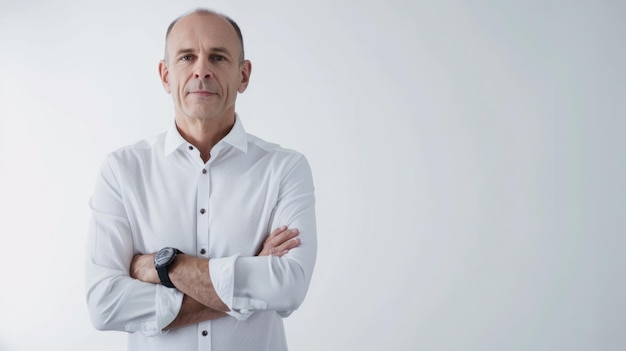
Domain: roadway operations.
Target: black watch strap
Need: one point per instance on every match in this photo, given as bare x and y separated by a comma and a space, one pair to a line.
162, 271
165, 277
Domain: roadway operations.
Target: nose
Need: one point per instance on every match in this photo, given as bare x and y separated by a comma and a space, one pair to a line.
202, 71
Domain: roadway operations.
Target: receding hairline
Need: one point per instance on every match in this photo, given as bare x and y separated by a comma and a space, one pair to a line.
205, 11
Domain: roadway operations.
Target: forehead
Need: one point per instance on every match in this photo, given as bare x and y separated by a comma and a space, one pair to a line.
202, 29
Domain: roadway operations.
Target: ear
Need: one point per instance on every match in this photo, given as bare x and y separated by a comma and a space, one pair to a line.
246, 70
164, 73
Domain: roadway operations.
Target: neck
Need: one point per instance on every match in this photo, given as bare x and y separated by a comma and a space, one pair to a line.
204, 133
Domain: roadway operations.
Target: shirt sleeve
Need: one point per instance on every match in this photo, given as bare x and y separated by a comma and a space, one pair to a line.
249, 284
114, 299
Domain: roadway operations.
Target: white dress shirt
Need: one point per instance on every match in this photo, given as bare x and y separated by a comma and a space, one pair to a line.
159, 193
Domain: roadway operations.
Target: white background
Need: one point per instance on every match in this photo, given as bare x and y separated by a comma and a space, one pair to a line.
468, 158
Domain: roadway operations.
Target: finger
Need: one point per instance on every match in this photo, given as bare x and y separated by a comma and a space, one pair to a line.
284, 252
278, 230
271, 245
286, 246
274, 233
286, 235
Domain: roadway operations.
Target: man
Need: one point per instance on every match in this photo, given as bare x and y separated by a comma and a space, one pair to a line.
180, 252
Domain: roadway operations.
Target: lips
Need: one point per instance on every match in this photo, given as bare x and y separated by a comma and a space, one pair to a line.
202, 93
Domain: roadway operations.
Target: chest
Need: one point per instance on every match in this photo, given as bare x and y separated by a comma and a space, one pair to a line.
213, 210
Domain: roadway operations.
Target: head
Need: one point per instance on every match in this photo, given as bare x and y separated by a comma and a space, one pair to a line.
204, 67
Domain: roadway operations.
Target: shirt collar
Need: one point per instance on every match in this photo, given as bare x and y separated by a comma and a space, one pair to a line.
237, 137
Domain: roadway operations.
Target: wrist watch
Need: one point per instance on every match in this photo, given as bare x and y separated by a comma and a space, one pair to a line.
162, 260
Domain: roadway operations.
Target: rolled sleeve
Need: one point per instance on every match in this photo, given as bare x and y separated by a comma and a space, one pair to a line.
222, 271
168, 304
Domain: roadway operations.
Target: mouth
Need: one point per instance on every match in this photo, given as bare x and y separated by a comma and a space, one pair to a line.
202, 93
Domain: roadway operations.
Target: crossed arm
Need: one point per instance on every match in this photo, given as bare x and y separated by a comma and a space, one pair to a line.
191, 276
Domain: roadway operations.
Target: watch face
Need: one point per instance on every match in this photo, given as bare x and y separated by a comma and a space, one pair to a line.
164, 256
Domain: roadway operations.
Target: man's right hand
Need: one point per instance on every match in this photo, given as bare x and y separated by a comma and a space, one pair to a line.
280, 241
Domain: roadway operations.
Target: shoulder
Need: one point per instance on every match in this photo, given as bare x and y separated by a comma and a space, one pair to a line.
273, 150
283, 161
141, 148
136, 154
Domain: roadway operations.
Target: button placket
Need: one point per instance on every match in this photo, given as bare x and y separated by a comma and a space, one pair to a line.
202, 225
204, 336
204, 191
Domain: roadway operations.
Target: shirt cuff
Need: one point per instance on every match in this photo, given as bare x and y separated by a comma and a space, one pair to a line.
167, 305
169, 302
222, 271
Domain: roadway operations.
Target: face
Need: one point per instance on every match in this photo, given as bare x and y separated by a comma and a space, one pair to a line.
203, 72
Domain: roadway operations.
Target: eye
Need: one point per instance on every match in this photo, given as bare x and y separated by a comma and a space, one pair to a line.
217, 58
186, 58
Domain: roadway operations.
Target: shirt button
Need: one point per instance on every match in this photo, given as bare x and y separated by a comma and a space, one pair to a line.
190, 147
204, 171
202, 251
205, 333
202, 211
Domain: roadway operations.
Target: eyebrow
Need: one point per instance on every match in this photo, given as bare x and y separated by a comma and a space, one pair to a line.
183, 51
219, 49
